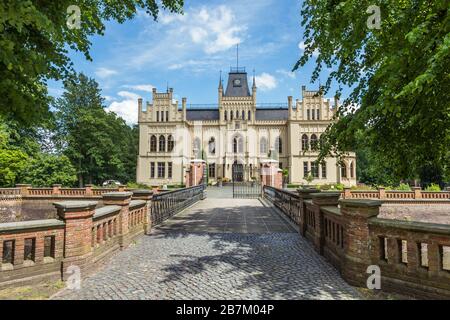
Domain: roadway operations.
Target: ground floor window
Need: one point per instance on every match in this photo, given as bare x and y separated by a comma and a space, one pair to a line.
212, 170
161, 169
169, 170
305, 169
324, 169
315, 169
152, 169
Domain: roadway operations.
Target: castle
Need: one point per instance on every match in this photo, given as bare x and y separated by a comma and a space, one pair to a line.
237, 132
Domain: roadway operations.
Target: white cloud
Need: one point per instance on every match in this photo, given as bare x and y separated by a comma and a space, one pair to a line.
127, 108
140, 87
104, 72
266, 82
286, 73
302, 47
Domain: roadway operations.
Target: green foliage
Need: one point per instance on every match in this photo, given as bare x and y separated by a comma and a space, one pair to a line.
400, 82
34, 42
48, 169
403, 187
12, 163
100, 145
433, 187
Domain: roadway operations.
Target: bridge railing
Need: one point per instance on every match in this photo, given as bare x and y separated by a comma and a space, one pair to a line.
167, 204
413, 257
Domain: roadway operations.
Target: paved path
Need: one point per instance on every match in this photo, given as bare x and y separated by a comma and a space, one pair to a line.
229, 261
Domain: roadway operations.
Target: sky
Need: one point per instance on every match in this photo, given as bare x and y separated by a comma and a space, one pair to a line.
187, 52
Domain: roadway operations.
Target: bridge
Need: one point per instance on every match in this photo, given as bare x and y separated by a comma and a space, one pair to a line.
197, 243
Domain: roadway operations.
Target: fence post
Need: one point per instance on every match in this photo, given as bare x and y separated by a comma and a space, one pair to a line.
381, 193
56, 189
347, 193
123, 200
146, 195
304, 194
356, 215
319, 200
88, 190
417, 192
77, 216
24, 188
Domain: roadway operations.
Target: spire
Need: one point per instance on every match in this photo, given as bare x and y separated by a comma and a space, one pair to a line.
220, 80
254, 79
237, 56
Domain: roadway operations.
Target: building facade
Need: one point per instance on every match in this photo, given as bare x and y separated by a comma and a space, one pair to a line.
238, 132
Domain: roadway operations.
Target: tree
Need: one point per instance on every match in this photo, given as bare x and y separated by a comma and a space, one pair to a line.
48, 169
34, 42
12, 161
98, 143
399, 75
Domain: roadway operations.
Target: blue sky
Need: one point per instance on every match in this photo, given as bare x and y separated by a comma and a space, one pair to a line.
188, 51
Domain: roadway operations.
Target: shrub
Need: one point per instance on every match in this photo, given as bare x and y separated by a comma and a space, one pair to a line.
404, 187
433, 187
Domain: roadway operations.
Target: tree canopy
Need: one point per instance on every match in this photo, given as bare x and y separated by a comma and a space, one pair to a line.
35, 40
399, 79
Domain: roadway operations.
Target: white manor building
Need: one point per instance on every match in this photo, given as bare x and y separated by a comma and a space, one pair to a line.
236, 131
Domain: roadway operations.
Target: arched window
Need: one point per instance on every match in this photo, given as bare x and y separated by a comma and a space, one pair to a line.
212, 145
243, 115
263, 146
249, 116
305, 142
352, 170
226, 115
162, 144
170, 143
238, 146
231, 115
314, 142
279, 145
153, 143
343, 170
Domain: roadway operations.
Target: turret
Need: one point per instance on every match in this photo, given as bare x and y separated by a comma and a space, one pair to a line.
290, 106
183, 104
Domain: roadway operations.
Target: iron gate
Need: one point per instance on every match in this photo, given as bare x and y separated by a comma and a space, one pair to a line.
242, 188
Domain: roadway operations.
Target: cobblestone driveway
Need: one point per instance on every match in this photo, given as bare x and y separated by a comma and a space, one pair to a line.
174, 264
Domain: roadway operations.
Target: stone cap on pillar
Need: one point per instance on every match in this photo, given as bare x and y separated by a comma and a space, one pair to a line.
117, 198
326, 198
75, 209
198, 161
306, 193
360, 207
142, 194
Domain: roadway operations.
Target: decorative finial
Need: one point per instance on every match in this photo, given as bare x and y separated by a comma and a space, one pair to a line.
237, 56
254, 78
220, 80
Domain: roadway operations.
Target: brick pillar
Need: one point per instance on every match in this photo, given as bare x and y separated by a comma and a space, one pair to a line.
381, 193
319, 200
122, 188
56, 189
270, 175
88, 189
23, 188
417, 192
146, 195
196, 172
304, 194
121, 199
347, 193
77, 216
356, 215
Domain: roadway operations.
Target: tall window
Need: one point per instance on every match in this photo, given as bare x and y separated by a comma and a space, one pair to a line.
167, 116
238, 146
153, 143
305, 143
197, 148
161, 170
249, 116
314, 142
212, 170
343, 171
315, 169
212, 145
170, 143
324, 169
312, 114
243, 115
157, 116
226, 115
162, 144
305, 169
152, 169
351, 170
263, 146
169, 170
279, 145
231, 115
307, 114
318, 114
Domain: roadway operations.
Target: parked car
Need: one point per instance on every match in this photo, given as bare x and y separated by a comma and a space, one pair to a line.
111, 183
